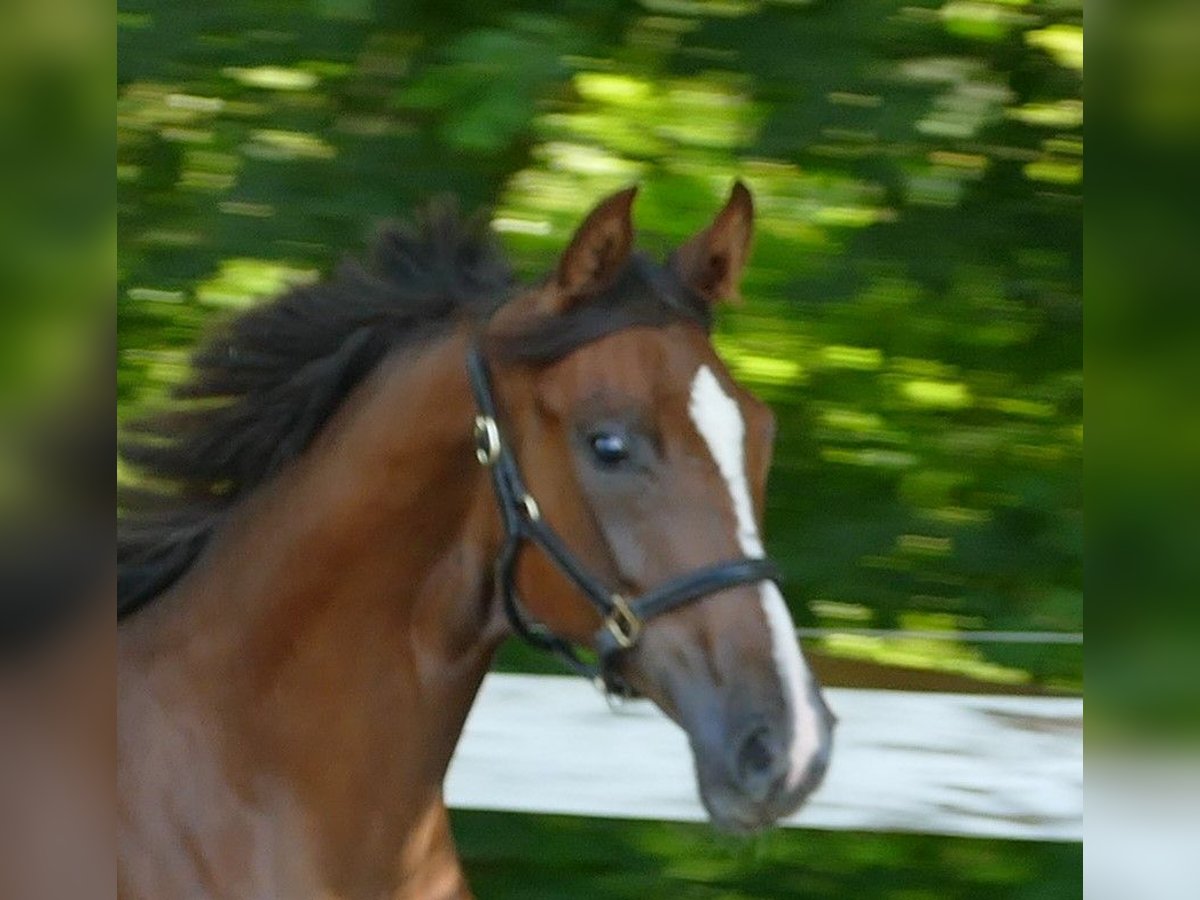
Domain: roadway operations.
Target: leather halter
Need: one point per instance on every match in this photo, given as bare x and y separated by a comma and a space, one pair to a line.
622, 618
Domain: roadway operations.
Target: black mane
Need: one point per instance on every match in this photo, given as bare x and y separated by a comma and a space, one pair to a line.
267, 382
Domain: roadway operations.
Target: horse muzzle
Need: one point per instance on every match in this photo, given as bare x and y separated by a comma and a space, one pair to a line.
753, 771
760, 749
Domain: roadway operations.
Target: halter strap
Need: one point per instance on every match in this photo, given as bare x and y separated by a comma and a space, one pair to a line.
622, 619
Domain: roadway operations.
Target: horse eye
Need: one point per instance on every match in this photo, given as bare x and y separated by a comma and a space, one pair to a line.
609, 448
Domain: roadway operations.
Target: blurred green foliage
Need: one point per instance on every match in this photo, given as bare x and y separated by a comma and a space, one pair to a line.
1142, 333
57, 241
914, 304
564, 856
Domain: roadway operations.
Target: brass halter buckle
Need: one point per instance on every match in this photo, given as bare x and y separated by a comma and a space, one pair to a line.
623, 622
487, 440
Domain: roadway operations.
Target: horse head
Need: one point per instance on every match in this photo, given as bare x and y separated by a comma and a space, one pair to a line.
645, 462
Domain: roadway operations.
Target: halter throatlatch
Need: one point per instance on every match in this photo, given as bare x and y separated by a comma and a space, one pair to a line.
622, 619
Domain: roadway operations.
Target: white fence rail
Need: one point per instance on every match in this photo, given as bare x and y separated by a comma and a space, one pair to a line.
982, 766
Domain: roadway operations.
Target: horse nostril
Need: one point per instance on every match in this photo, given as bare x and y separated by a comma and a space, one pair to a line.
757, 763
754, 756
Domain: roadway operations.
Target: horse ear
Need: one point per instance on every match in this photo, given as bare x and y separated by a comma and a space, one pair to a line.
711, 262
598, 250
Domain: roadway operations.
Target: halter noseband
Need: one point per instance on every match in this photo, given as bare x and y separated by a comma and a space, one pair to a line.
622, 618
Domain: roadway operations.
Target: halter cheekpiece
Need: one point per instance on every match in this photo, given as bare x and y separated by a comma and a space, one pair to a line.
622, 618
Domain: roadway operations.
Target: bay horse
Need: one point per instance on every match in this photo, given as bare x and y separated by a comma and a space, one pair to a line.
370, 482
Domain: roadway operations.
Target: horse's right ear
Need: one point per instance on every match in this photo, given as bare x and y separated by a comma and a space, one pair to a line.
597, 252
711, 262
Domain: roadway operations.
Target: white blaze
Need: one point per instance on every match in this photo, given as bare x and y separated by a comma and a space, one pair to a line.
719, 420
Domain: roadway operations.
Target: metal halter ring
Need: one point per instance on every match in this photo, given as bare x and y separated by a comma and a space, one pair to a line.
623, 622
532, 511
487, 440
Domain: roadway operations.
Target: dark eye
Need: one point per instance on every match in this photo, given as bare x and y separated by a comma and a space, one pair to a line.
609, 447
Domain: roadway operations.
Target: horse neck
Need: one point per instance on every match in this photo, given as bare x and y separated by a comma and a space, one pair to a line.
336, 631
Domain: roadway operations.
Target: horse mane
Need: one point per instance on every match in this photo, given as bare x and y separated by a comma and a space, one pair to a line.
263, 385
266, 382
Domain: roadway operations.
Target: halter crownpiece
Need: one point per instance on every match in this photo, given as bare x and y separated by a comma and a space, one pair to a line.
623, 620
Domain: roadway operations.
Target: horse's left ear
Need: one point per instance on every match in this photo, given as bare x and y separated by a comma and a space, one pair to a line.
597, 252
711, 262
